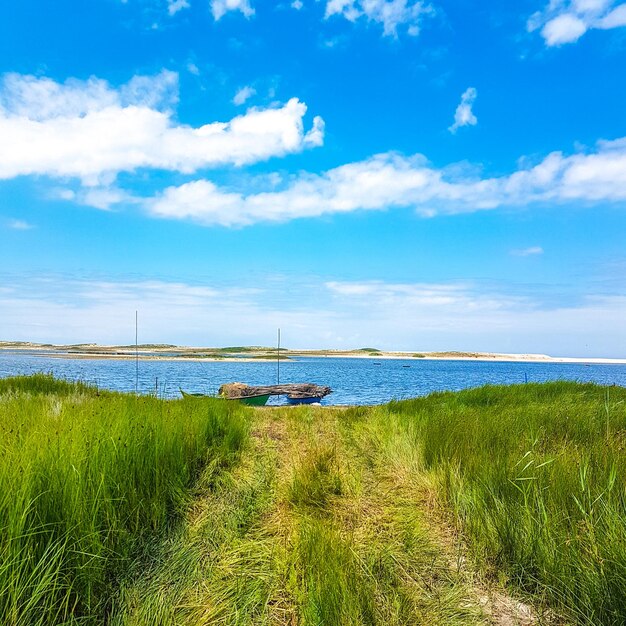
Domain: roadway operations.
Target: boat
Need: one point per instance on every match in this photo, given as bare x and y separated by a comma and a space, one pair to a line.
297, 393
255, 400
260, 400
303, 399
187, 394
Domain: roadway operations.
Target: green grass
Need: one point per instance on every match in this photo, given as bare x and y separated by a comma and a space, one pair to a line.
87, 480
143, 512
317, 479
535, 476
222, 565
303, 531
360, 551
42, 384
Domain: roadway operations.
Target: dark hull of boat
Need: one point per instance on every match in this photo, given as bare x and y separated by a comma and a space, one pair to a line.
313, 400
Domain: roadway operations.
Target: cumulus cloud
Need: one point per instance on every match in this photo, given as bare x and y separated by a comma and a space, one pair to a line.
566, 21
389, 13
464, 116
613, 19
174, 6
565, 28
244, 94
391, 180
219, 8
43, 99
89, 130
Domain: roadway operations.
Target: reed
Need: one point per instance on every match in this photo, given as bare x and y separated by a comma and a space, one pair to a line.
329, 516
88, 479
536, 478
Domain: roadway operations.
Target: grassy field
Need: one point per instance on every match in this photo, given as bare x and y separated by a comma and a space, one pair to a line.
88, 479
500, 505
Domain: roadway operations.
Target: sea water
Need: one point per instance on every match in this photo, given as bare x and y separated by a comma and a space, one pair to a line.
353, 380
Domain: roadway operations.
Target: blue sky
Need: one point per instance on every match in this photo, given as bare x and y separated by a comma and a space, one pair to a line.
410, 175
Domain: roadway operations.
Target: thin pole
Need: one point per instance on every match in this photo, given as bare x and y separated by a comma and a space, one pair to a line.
136, 355
278, 360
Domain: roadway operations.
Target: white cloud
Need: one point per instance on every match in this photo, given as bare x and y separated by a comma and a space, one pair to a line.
174, 6
219, 8
244, 94
64, 194
315, 136
390, 13
565, 28
532, 251
297, 5
88, 130
390, 180
68, 310
464, 116
566, 21
419, 294
192, 68
19, 224
613, 19
436, 305
469, 316
458, 315
103, 197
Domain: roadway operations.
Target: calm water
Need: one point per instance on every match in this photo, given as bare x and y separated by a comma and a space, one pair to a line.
354, 381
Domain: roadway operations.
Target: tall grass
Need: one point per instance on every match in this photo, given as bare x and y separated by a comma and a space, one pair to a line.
332, 516
359, 551
87, 479
536, 476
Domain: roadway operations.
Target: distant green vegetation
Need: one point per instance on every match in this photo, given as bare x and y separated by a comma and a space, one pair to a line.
201, 355
141, 346
375, 350
418, 355
87, 480
237, 349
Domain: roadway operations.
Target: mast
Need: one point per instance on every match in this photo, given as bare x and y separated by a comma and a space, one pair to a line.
278, 360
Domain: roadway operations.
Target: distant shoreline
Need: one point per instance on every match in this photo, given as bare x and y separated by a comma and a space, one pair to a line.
159, 352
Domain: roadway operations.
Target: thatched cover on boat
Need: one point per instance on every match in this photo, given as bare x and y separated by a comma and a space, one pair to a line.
235, 391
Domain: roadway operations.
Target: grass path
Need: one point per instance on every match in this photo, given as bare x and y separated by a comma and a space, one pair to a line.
328, 519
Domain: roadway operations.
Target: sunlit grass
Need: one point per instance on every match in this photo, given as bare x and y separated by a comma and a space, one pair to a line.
86, 479
536, 478
400, 514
